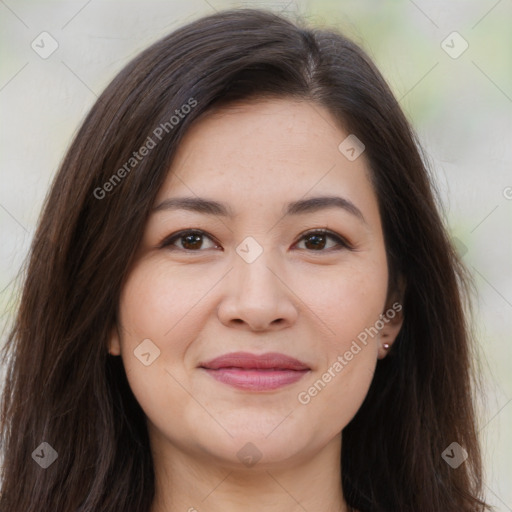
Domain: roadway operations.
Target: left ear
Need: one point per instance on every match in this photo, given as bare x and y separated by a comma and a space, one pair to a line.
393, 319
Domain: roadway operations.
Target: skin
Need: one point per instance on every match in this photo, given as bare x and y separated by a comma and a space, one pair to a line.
306, 302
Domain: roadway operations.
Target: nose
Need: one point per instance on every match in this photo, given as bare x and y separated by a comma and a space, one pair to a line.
257, 296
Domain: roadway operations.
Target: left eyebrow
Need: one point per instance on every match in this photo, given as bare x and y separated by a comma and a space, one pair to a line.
314, 204
302, 206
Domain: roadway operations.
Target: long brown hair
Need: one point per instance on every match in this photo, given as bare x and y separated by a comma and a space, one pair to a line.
62, 387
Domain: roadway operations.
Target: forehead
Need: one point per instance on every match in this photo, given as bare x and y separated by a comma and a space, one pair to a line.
267, 152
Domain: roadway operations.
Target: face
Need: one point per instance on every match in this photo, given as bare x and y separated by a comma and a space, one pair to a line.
269, 271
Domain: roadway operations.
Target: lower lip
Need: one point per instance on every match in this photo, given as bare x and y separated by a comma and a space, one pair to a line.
256, 380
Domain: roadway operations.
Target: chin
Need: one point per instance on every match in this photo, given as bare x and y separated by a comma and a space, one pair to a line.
254, 455
259, 443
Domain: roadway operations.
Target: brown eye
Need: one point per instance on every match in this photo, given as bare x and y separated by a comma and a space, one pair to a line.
318, 241
191, 240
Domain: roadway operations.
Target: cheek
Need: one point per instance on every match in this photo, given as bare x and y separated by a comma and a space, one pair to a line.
156, 306
158, 302
348, 298
335, 396
350, 301
339, 386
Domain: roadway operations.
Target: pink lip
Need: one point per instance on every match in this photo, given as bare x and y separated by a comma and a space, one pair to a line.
256, 372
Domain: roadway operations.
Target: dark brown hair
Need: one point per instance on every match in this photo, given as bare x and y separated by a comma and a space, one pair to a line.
61, 385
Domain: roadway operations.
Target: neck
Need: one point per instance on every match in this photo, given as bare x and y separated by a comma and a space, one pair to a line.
185, 483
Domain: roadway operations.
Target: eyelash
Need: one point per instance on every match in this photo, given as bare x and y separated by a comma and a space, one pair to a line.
340, 241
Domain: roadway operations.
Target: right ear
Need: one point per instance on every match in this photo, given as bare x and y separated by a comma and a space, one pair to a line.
114, 344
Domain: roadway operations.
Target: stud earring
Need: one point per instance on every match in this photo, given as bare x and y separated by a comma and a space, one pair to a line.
385, 346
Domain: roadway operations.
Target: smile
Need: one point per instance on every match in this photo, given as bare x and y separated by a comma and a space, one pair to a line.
253, 372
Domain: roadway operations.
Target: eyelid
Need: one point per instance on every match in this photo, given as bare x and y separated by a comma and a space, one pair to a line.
168, 240
340, 240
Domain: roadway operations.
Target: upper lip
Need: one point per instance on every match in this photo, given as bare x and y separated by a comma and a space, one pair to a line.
246, 360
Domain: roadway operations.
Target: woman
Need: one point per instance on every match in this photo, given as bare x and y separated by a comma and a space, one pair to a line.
241, 295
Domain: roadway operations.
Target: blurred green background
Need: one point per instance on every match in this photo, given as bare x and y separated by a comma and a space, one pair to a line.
458, 99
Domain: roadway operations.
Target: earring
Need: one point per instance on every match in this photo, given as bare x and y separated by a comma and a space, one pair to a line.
385, 346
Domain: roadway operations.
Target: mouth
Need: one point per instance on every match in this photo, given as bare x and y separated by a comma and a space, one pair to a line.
252, 372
